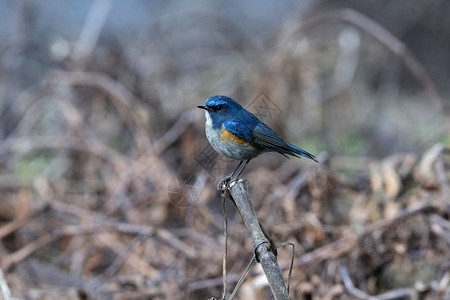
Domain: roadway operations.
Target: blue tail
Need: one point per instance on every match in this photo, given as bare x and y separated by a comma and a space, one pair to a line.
299, 152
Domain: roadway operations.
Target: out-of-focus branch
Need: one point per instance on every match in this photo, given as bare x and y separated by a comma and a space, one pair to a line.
388, 39
92, 28
347, 243
394, 294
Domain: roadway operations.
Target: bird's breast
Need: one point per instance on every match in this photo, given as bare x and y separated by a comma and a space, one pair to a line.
227, 144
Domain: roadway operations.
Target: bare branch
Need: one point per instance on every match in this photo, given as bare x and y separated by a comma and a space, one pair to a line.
263, 248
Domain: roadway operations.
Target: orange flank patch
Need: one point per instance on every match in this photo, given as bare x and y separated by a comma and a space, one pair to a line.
228, 137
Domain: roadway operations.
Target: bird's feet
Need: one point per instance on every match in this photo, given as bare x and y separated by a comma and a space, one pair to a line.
223, 184
227, 182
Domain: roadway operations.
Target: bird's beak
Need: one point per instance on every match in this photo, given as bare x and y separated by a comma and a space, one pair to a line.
203, 107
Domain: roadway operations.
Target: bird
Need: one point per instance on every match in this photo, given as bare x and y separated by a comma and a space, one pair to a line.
238, 134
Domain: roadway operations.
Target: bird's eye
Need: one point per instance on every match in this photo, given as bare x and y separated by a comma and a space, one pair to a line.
219, 107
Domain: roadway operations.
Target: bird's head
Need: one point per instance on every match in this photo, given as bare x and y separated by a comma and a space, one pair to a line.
220, 109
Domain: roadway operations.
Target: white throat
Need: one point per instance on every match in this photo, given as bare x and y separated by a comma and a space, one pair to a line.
208, 123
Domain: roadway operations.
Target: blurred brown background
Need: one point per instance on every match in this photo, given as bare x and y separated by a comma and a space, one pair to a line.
107, 182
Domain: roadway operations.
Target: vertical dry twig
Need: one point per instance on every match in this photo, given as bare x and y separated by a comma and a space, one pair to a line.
262, 246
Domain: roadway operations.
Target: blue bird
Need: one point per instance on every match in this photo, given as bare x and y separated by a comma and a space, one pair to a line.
236, 133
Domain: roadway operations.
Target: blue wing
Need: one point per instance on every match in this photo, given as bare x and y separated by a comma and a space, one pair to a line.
241, 130
261, 136
267, 139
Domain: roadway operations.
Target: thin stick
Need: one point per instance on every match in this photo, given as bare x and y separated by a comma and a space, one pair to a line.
244, 275
4, 286
291, 265
225, 251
